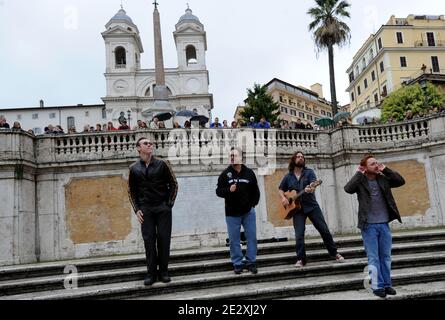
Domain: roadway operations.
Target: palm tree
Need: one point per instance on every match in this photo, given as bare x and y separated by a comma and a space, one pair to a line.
328, 31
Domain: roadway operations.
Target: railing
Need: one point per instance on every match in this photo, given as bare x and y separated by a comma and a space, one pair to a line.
395, 132
425, 43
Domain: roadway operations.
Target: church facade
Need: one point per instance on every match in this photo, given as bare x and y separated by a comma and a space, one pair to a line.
129, 87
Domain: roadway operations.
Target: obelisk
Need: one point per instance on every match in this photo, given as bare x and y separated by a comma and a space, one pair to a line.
160, 93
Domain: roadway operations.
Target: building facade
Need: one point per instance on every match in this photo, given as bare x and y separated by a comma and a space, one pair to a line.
400, 51
297, 102
129, 87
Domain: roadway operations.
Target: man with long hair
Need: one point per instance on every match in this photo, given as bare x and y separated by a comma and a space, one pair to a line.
372, 183
299, 178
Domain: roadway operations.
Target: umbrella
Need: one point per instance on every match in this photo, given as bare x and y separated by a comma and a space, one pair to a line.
186, 113
360, 120
163, 116
341, 115
200, 119
324, 122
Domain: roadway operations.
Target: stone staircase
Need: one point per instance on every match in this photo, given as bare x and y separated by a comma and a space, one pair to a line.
418, 273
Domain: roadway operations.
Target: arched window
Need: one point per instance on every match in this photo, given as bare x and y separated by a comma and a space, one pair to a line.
148, 92
190, 55
121, 57
168, 90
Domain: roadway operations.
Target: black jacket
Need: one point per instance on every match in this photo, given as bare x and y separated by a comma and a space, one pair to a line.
359, 184
247, 194
152, 185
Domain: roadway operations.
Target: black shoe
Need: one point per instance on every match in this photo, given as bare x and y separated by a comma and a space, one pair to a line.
390, 291
164, 277
252, 268
380, 293
149, 280
238, 270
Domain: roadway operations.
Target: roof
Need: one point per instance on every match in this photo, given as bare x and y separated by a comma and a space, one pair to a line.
55, 107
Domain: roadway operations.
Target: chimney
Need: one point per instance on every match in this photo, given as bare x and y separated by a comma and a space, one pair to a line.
318, 88
42, 104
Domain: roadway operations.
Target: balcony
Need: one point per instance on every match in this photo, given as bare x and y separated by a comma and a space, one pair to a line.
426, 43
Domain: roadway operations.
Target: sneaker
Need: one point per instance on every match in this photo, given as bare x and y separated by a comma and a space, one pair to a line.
299, 264
252, 268
238, 270
390, 291
380, 293
339, 258
149, 280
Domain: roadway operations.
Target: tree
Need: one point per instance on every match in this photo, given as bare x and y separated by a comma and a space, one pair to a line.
412, 98
260, 104
328, 31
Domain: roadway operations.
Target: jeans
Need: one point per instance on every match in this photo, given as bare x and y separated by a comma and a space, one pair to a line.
234, 223
378, 241
317, 219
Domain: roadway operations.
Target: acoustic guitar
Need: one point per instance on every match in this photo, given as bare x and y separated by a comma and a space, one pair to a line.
287, 212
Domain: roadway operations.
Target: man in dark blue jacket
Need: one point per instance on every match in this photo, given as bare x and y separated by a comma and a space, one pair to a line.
299, 178
239, 187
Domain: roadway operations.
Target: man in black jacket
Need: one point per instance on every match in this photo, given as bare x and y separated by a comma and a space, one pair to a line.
239, 187
152, 190
372, 183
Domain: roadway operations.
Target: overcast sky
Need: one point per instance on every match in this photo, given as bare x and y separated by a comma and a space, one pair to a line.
53, 49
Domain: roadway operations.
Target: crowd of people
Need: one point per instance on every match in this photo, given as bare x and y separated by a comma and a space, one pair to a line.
263, 123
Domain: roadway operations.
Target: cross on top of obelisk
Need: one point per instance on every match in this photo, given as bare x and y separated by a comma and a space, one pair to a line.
156, 4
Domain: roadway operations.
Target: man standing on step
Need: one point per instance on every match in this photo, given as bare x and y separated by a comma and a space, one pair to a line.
299, 178
372, 183
239, 187
152, 190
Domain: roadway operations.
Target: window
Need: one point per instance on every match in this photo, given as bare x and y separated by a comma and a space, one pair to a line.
371, 54
368, 104
351, 77
384, 91
399, 37
366, 83
308, 109
382, 67
283, 109
104, 113
403, 62
373, 75
121, 57
37, 131
35, 115
435, 63
281, 99
70, 122
19, 117
329, 114
87, 113
323, 113
376, 98
190, 55
379, 42
430, 39
309, 117
301, 115
148, 92
352, 96
52, 115
293, 112
359, 91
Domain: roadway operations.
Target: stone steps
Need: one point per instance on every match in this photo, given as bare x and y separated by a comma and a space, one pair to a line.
193, 271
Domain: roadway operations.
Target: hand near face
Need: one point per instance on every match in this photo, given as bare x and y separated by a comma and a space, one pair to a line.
381, 167
361, 169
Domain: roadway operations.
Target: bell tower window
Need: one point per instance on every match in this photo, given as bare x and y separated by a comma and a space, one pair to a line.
190, 54
121, 58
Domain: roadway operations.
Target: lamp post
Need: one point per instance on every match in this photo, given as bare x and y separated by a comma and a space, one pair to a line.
423, 84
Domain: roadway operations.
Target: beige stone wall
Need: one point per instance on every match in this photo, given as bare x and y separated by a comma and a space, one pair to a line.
412, 198
97, 209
